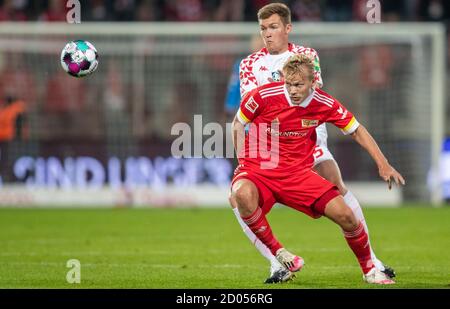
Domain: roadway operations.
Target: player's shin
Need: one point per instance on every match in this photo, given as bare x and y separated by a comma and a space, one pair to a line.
358, 241
262, 248
259, 225
354, 205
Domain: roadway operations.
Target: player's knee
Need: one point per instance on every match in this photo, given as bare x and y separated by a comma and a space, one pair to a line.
232, 201
245, 195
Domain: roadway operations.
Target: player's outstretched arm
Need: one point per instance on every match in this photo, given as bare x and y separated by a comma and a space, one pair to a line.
386, 171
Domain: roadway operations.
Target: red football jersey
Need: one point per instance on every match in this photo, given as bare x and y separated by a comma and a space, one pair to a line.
282, 136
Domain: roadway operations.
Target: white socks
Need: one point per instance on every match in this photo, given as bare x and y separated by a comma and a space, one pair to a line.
262, 248
353, 203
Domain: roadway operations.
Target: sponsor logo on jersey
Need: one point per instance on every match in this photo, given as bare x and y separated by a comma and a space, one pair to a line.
263, 68
251, 105
274, 130
309, 123
276, 77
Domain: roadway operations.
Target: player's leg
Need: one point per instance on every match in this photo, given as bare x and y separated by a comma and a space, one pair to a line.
278, 273
245, 195
327, 167
356, 237
315, 196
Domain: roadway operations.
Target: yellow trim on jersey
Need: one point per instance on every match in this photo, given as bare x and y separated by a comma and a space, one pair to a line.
243, 116
350, 124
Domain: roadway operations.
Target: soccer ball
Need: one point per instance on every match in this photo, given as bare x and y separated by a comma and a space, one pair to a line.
79, 58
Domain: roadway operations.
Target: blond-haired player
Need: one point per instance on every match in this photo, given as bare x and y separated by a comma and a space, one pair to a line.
263, 67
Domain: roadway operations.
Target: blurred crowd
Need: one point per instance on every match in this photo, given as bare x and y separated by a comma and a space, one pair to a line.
115, 113
221, 10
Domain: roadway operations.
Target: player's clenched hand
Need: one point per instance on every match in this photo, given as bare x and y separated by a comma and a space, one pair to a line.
388, 173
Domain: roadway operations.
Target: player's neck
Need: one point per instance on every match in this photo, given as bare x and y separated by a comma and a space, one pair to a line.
279, 51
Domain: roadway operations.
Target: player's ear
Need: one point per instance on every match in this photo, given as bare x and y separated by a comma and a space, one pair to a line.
281, 75
288, 28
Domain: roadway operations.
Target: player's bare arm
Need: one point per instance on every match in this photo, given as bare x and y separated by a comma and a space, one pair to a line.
386, 171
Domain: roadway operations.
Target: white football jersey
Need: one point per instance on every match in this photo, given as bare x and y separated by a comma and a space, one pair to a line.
261, 68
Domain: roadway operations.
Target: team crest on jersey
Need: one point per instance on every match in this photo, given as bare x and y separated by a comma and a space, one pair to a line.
251, 105
276, 77
309, 123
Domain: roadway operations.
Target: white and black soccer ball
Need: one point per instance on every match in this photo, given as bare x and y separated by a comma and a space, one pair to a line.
79, 58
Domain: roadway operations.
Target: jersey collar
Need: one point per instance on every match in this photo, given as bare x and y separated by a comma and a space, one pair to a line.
305, 103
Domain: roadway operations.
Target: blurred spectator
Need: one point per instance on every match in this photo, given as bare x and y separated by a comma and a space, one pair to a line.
360, 10
12, 127
113, 95
62, 99
306, 10
15, 77
12, 120
252, 6
393, 11
17, 96
230, 10
222, 10
97, 11
411, 7
68, 110
376, 65
337, 10
123, 10
147, 11
376, 78
56, 11
434, 10
13, 10
183, 10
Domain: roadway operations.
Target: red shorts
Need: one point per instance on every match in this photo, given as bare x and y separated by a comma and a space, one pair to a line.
307, 192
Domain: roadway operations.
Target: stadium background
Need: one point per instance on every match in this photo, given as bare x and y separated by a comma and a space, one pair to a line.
105, 140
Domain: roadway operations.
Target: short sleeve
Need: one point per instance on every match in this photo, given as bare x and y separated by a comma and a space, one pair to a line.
342, 118
251, 106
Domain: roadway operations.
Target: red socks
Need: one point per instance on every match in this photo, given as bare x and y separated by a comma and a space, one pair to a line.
358, 239
359, 243
257, 222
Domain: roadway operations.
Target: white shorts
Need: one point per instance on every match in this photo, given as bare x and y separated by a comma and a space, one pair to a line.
321, 152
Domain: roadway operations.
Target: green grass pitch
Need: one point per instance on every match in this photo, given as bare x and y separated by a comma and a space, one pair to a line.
205, 248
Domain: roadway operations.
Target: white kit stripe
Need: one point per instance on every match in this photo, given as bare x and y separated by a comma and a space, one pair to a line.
324, 102
272, 94
268, 90
324, 97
